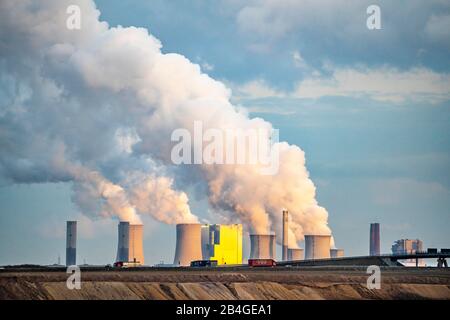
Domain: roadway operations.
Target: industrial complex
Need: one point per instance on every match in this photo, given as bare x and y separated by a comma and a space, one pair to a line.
209, 263
222, 245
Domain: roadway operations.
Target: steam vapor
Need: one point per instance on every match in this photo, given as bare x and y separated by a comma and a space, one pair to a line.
96, 107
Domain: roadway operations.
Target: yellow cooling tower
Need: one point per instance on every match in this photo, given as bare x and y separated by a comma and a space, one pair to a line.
222, 243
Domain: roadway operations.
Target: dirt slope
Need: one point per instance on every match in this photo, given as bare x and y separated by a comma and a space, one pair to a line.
244, 284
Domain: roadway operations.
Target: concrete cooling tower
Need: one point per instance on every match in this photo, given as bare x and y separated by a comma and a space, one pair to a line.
124, 241
285, 235
317, 247
136, 250
336, 253
295, 254
189, 244
262, 246
130, 243
71, 243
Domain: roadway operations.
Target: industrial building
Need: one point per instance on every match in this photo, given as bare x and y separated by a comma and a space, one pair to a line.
219, 242
130, 243
262, 246
317, 246
222, 243
408, 246
71, 243
404, 246
374, 249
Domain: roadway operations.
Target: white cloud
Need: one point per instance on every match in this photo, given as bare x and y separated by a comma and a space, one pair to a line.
298, 60
256, 89
207, 67
383, 84
108, 115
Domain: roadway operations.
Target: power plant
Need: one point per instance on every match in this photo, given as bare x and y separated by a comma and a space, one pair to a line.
200, 245
214, 244
295, 254
222, 243
203, 245
130, 243
317, 246
336, 253
71, 243
374, 249
408, 246
189, 244
285, 235
262, 246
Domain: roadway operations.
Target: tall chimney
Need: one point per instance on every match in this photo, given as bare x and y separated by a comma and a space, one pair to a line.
71, 243
285, 235
317, 246
189, 244
262, 246
374, 249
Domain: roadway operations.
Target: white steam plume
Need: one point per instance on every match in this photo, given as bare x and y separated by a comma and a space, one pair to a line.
111, 99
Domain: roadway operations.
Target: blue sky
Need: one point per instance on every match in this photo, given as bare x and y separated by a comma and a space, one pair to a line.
370, 108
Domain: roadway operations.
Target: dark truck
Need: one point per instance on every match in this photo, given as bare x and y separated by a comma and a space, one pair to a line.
204, 263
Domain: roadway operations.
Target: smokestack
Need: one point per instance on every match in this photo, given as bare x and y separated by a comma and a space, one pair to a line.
188, 247
336, 253
262, 246
374, 239
285, 235
71, 243
317, 247
295, 254
130, 245
123, 246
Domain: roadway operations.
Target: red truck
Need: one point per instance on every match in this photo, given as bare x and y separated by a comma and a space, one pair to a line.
261, 263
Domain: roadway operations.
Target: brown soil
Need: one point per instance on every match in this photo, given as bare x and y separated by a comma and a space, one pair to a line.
259, 284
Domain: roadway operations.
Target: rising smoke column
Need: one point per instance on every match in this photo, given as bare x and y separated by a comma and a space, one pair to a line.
110, 99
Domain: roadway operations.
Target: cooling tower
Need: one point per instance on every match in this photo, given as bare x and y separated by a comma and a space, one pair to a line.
123, 246
262, 246
285, 235
136, 250
374, 239
188, 247
336, 253
317, 247
71, 243
130, 245
295, 254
